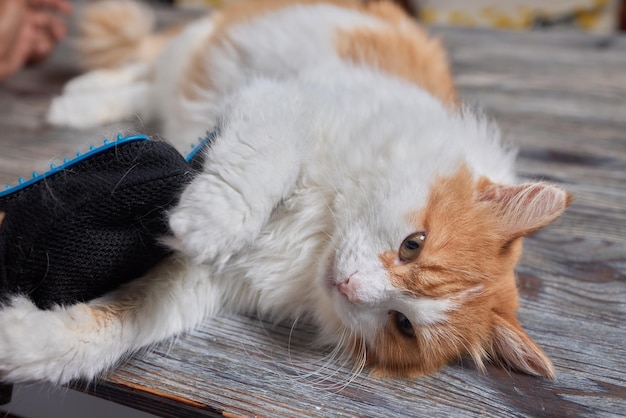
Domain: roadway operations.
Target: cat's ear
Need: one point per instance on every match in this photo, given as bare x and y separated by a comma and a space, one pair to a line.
527, 207
511, 346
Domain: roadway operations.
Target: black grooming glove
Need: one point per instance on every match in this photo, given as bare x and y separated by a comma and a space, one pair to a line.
91, 224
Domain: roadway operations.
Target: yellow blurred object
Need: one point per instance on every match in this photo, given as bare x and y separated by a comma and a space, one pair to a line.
599, 16
213, 4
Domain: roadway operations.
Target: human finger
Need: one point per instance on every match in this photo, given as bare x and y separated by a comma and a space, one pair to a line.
12, 15
62, 6
44, 39
19, 51
51, 24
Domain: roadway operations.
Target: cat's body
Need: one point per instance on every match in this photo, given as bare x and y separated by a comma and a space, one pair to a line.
346, 187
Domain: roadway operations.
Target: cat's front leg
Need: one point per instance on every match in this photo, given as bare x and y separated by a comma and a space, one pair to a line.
107, 79
103, 96
250, 168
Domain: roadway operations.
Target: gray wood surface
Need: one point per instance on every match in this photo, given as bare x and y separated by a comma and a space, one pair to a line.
561, 97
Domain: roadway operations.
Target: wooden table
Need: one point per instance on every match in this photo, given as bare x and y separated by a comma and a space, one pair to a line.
561, 97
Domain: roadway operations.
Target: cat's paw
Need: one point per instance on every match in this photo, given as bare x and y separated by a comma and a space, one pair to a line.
93, 81
72, 111
212, 221
83, 111
107, 79
42, 345
92, 109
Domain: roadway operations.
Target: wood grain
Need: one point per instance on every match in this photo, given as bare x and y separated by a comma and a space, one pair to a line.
559, 97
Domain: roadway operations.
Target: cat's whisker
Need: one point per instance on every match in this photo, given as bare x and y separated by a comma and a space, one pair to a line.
341, 350
257, 355
350, 351
334, 355
267, 355
360, 363
355, 351
326, 360
458, 341
476, 352
293, 326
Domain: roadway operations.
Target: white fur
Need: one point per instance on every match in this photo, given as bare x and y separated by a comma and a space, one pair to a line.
107, 79
316, 166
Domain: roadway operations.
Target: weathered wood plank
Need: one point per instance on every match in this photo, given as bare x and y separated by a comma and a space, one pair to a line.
559, 97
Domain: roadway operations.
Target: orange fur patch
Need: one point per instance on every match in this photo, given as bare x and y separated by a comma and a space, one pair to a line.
403, 50
463, 243
468, 258
433, 347
198, 77
1, 217
104, 315
474, 230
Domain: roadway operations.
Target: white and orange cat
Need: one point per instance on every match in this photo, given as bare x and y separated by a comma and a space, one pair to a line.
347, 186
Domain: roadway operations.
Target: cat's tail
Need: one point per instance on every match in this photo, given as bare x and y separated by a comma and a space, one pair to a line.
118, 32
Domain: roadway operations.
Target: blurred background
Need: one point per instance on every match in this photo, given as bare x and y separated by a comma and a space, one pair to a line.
597, 16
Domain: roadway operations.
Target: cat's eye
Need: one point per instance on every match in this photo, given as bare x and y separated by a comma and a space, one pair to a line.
403, 324
411, 246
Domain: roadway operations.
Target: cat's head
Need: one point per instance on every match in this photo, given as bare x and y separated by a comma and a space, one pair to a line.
441, 284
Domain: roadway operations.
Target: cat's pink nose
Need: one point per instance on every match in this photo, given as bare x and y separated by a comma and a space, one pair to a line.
349, 288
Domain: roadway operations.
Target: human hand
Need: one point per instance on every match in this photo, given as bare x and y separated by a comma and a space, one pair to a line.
15, 36
29, 29
49, 27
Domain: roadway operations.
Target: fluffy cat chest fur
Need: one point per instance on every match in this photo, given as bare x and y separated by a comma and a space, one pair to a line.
374, 171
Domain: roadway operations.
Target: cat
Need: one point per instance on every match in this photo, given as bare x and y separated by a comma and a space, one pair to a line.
347, 186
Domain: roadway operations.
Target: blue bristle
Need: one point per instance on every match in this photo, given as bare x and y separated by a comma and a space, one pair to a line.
67, 162
197, 147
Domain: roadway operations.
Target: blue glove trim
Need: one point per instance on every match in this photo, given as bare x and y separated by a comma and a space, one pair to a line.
93, 150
